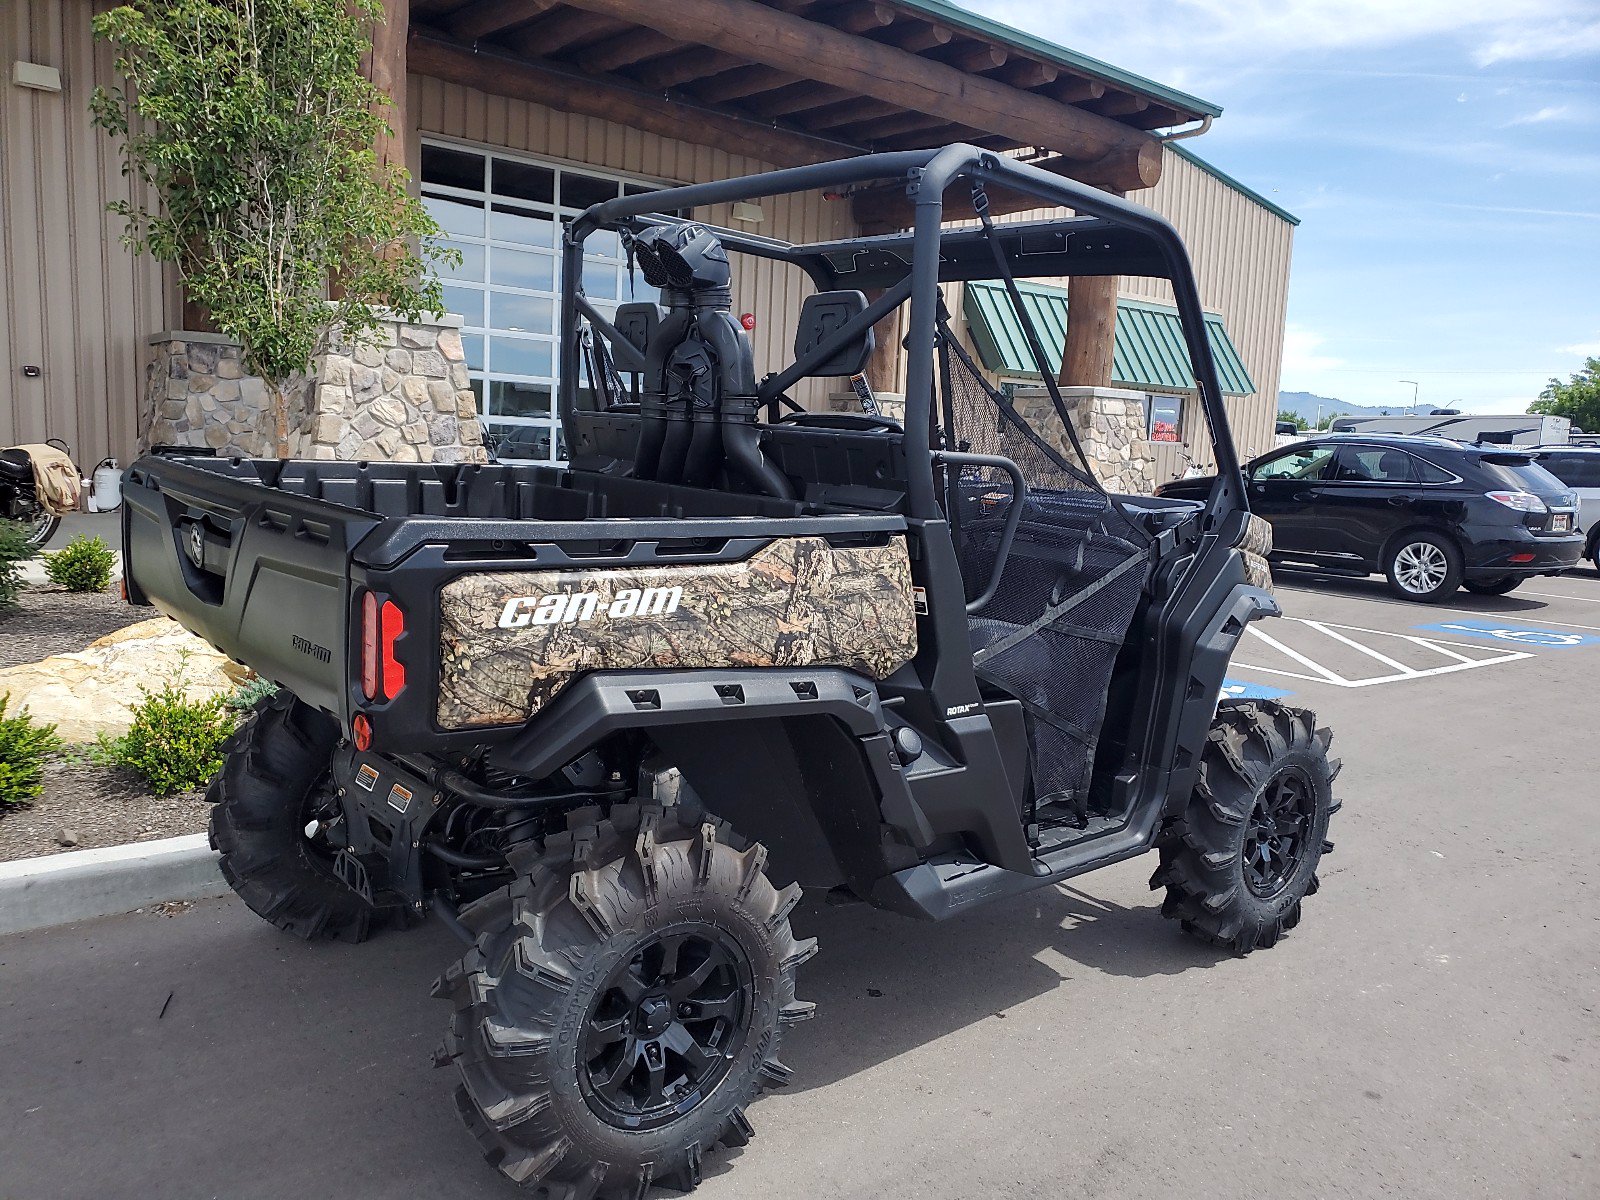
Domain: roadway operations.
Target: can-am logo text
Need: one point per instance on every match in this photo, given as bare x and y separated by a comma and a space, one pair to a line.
522, 611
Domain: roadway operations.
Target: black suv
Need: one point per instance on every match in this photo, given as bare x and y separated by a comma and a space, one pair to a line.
1429, 513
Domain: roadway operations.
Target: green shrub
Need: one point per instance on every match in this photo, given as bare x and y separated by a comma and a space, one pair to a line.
174, 744
84, 565
14, 550
250, 693
24, 745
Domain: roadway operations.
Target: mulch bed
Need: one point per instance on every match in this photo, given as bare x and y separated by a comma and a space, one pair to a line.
49, 620
98, 806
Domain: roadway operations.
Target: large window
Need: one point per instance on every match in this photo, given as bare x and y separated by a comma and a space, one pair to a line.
505, 214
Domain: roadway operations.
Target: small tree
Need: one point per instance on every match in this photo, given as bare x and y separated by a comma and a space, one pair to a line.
1294, 419
1578, 399
252, 125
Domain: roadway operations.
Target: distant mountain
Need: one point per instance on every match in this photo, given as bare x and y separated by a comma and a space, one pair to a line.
1305, 404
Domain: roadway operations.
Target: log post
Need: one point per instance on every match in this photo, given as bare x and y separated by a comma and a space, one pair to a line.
1091, 331
386, 68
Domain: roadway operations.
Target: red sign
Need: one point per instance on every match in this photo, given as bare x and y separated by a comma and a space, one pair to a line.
1163, 431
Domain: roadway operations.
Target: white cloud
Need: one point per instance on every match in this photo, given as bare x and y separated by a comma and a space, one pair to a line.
1300, 353
1582, 349
1550, 112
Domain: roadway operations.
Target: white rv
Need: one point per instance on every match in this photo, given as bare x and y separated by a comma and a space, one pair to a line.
1520, 429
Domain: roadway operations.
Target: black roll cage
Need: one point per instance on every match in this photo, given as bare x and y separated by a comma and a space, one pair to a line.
1109, 236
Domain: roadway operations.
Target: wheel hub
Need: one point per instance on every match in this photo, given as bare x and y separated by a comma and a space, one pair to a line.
665, 1027
1275, 836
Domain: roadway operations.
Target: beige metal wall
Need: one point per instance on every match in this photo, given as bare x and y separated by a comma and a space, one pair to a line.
73, 302
771, 291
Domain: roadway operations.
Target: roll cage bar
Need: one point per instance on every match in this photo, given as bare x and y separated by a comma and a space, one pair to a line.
1110, 236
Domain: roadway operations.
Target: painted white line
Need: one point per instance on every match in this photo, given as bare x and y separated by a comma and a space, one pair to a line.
1561, 596
1367, 650
1296, 655
1403, 672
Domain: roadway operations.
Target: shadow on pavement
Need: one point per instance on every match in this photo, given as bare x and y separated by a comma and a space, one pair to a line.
279, 1067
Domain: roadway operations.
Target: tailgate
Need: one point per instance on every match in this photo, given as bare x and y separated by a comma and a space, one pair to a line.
261, 574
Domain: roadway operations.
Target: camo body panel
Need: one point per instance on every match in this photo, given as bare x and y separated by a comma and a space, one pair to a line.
1255, 545
796, 602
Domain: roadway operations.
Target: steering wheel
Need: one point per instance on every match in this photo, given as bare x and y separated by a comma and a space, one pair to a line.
866, 422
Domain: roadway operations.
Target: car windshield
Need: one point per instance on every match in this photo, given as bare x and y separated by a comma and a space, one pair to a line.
1306, 462
1523, 474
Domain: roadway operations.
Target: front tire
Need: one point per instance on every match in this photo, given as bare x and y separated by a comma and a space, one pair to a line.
42, 527
1493, 587
1423, 566
623, 1003
275, 779
1244, 855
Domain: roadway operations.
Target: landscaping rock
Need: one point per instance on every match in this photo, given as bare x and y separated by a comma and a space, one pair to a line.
68, 838
92, 690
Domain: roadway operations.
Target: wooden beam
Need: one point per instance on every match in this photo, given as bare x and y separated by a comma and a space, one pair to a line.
1029, 73
1087, 358
854, 111
886, 127
856, 65
1121, 104
691, 65
887, 208
569, 91
917, 36
1075, 88
740, 83
560, 30
798, 97
978, 58
628, 49
1158, 116
488, 17
858, 18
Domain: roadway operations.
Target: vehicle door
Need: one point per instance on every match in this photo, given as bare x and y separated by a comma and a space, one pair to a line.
1283, 489
1371, 493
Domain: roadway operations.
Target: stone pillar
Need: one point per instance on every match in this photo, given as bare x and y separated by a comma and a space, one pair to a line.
1109, 423
402, 397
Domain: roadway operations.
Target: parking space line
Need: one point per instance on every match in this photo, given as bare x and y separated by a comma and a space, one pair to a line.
1447, 649
1561, 596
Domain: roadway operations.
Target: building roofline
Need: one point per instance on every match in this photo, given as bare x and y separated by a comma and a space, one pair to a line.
986, 27
1222, 176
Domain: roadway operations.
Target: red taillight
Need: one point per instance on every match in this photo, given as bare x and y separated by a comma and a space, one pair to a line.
382, 624
394, 672
1521, 558
369, 646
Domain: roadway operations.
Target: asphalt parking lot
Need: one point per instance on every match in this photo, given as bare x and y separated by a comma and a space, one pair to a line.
1430, 1030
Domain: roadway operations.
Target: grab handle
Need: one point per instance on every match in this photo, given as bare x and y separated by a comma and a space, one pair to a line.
1019, 496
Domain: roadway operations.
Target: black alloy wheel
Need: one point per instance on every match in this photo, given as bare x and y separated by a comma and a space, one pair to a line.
666, 1027
1276, 833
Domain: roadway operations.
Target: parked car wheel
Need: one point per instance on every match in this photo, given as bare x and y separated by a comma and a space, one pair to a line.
1493, 587
1423, 566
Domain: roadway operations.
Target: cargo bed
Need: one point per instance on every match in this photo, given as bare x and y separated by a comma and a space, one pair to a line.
268, 561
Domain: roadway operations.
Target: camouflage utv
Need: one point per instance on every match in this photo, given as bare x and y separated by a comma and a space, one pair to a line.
606, 720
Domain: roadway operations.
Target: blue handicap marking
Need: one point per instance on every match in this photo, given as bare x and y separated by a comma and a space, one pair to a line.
1238, 689
1528, 636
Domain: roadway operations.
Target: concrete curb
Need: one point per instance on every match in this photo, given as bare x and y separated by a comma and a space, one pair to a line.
58, 888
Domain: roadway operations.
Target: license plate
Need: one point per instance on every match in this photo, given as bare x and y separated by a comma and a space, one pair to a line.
1561, 523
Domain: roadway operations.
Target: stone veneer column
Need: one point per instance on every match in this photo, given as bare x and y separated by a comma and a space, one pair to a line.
403, 397
1110, 424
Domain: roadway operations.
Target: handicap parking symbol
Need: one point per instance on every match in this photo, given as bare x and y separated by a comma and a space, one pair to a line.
1238, 689
1527, 636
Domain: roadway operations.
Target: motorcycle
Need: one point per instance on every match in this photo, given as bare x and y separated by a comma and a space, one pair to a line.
39, 512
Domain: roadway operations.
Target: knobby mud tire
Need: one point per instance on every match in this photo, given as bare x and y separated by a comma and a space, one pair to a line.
546, 944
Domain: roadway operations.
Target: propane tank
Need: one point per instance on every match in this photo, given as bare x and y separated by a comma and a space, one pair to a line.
105, 489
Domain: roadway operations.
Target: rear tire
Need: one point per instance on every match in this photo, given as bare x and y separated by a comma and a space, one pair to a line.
1493, 587
589, 1066
41, 528
274, 777
1423, 566
1244, 855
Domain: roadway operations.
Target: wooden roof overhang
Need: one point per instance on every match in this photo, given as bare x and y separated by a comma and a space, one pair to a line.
802, 81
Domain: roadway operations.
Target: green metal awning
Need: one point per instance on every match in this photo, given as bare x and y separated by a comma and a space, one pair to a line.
1149, 351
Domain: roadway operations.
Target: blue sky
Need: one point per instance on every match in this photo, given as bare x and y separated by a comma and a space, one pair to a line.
1444, 156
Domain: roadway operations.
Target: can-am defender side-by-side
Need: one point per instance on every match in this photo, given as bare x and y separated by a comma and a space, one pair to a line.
608, 719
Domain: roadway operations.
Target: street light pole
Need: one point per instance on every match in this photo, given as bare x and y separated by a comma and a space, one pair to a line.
1416, 388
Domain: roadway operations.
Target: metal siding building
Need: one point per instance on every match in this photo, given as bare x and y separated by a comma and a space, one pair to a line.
78, 306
